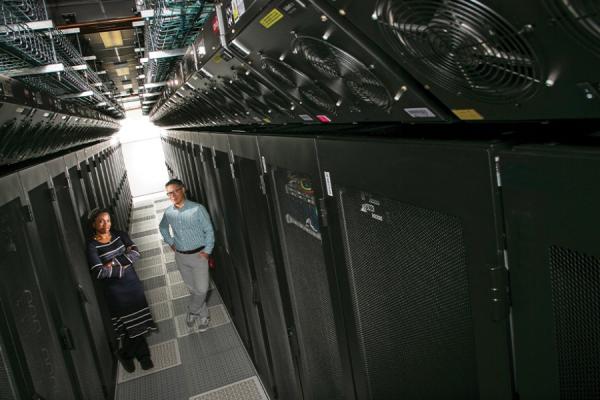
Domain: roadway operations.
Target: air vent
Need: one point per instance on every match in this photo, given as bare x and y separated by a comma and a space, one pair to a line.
335, 63
581, 18
291, 78
462, 46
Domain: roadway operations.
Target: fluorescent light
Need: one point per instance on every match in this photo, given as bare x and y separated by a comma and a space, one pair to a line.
111, 39
122, 71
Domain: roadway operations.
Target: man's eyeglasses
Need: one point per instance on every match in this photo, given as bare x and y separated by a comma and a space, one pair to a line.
172, 193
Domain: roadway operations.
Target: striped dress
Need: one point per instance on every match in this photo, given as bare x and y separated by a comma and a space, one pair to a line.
123, 290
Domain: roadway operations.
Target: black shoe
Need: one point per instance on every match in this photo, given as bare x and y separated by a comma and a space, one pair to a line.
146, 363
128, 364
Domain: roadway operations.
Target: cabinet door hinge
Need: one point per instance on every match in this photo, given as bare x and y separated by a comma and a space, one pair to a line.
27, 213
262, 185
52, 193
323, 212
497, 167
263, 164
499, 299
66, 338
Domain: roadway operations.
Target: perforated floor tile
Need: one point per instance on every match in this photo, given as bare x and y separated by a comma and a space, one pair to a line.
146, 218
171, 267
143, 233
180, 305
143, 213
149, 261
162, 311
218, 317
150, 272
143, 206
155, 251
169, 384
208, 373
143, 226
213, 341
147, 239
178, 291
247, 389
147, 244
164, 355
166, 331
174, 277
157, 295
170, 256
160, 201
154, 283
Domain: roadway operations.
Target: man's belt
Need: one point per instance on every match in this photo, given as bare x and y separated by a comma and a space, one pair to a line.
198, 250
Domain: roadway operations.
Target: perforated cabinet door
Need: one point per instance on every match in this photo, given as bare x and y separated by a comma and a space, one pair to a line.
27, 310
415, 238
551, 202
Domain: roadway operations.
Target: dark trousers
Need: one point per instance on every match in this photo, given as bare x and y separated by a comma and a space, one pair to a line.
134, 347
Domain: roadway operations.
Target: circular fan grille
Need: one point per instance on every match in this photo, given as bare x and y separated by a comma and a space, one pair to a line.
318, 98
280, 72
581, 18
335, 63
309, 92
462, 46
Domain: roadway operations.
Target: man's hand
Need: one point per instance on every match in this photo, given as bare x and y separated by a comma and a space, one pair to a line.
203, 255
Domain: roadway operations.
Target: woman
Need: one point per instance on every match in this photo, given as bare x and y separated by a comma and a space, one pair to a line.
111, 255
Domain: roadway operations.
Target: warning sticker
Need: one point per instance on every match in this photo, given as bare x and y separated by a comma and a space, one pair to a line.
468, 114
271, 18
239, 8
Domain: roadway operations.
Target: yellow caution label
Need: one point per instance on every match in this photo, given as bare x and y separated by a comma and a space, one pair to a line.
271, 18
468, 114
217, 58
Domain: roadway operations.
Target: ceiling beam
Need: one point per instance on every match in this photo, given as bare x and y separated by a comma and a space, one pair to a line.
103, 25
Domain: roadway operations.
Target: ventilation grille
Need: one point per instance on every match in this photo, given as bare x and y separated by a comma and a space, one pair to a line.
292, 79
581, 18
462, 46
411, 298
575, 281
334, 63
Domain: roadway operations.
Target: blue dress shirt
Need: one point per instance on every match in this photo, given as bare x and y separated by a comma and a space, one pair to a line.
190, 225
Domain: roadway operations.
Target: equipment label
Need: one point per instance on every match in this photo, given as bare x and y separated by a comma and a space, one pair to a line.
328, 184
239, 9
271, 18
468, 114
420, 112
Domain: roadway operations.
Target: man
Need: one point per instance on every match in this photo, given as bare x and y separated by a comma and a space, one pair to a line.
193, 240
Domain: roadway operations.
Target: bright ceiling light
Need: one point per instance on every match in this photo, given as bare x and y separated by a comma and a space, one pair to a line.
111, 39
122, 71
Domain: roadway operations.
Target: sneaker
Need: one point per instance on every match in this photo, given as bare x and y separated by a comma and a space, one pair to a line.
203, 326
128, 364
146, 363
191, 319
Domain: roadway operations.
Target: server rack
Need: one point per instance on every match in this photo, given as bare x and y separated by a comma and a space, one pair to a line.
54, 342
418, 257
550, 198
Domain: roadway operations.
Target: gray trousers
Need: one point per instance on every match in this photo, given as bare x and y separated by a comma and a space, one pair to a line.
194, 271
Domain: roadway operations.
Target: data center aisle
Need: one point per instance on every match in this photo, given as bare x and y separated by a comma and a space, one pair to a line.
188, 364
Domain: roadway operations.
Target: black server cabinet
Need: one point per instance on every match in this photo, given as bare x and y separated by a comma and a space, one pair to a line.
419, 266
86, 177
37, 347
317, 333
275, 312
241, 257
101, 193
73, 236
196, 166
56, 265
551, 197
75, 174
237, 282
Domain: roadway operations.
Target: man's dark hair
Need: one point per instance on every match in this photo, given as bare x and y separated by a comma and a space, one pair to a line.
175, 181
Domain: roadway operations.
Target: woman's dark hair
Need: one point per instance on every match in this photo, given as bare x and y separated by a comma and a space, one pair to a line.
92, 218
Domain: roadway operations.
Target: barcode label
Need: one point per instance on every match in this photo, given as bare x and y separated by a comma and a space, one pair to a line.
421, 112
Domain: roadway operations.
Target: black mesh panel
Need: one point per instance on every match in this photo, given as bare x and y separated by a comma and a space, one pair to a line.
410, 292
319, 347
7, 391
576, 303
